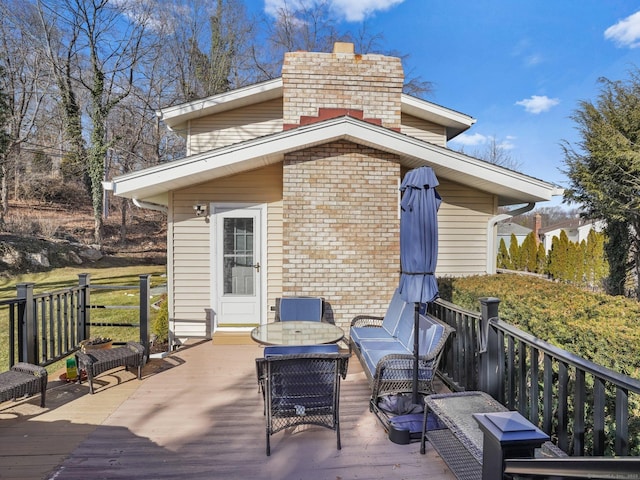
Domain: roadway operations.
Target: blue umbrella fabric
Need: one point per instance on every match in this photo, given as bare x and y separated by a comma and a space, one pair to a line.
419, 235
418, 246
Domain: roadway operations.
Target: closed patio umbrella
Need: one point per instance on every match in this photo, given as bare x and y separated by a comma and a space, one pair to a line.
418, 246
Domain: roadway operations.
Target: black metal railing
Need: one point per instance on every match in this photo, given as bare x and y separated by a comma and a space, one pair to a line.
47, 327
460, 362
582, 406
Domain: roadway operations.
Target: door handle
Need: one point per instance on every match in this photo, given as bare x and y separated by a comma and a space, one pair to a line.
257, 267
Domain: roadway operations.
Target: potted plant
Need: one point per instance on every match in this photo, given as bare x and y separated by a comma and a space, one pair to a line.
97, 343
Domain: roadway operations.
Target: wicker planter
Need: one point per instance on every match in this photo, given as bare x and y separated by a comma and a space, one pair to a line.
87, 346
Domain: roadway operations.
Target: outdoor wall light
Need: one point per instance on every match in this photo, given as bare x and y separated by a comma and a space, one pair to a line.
200, 209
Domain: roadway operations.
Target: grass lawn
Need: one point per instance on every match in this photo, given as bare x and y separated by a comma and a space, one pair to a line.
61, 278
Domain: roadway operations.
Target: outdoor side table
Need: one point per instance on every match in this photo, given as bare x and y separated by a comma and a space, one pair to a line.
297, 333
461, 443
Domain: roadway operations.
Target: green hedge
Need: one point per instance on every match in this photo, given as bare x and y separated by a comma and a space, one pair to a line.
598, 327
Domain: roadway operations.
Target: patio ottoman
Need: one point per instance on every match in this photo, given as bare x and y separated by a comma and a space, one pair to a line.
95, 362
23, 379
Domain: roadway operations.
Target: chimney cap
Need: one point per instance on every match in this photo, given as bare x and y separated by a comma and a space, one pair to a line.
343, 47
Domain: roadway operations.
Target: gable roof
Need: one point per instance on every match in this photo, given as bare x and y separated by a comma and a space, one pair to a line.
176, 117
572, 224
508, 228
154, 183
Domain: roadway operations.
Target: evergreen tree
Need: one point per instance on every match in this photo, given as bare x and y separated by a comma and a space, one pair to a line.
503, 260
559, 256
514, 253
604, 172
597, 267
541, 259
528, 253
617, 249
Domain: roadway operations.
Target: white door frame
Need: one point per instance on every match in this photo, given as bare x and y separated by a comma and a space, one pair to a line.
221, 207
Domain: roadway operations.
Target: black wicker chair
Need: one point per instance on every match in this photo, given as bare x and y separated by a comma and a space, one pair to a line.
301, 389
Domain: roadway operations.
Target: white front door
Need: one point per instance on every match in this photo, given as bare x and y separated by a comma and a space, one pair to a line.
237, 271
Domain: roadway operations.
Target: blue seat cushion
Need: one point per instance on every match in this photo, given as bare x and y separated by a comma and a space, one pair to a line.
374, 350
358, 334
277, 350
430, 336
403, 314
430, 333
373, 355
300, 308
394, 313
404, 332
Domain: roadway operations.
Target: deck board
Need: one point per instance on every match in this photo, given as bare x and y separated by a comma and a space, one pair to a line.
197, 414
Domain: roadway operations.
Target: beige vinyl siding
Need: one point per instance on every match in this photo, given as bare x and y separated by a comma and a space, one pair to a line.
462, 229
190, 243
227, 128
423, 130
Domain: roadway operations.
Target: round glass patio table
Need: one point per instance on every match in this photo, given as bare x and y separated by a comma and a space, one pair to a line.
297, 333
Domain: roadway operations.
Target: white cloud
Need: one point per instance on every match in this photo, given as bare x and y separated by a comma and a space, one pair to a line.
538, 103
507, 143
471, 140
625, 33
350, 10
358, 11
533, 60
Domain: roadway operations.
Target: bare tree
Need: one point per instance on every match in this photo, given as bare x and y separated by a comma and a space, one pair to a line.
497, 152
60, 46
25, 84
104, 41
313, 26
298, 25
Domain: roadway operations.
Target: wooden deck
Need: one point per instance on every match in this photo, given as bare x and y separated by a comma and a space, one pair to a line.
196, 414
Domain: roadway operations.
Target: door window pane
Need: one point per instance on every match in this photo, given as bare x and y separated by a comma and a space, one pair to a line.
238, 257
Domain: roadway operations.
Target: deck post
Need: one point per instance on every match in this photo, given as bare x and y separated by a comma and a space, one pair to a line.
27, 332
145, 294
506, 435
488, 340
84, 306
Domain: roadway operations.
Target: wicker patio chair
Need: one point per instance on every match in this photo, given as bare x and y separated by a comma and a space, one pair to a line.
301, 389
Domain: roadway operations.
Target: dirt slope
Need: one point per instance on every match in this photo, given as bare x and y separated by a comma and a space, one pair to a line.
63, 235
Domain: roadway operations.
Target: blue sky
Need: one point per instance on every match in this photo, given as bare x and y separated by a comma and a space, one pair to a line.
519, 67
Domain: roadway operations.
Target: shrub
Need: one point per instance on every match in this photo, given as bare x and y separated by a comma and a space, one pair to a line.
160, 323
598, 327
48, 189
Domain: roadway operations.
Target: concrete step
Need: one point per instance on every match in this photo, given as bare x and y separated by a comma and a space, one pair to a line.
232, 338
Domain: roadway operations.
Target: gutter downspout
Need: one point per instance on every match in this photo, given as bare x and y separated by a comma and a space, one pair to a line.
491, 239
151, 206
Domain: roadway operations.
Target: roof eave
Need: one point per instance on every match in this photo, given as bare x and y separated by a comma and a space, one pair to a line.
153, 183
176, 116
261, 92
454, 122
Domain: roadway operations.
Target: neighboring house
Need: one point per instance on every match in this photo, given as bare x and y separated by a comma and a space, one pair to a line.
577, 230
506, 229
290, 187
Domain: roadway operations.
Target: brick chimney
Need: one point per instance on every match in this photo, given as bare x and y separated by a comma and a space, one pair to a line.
318, 86
339, 195
537, 227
